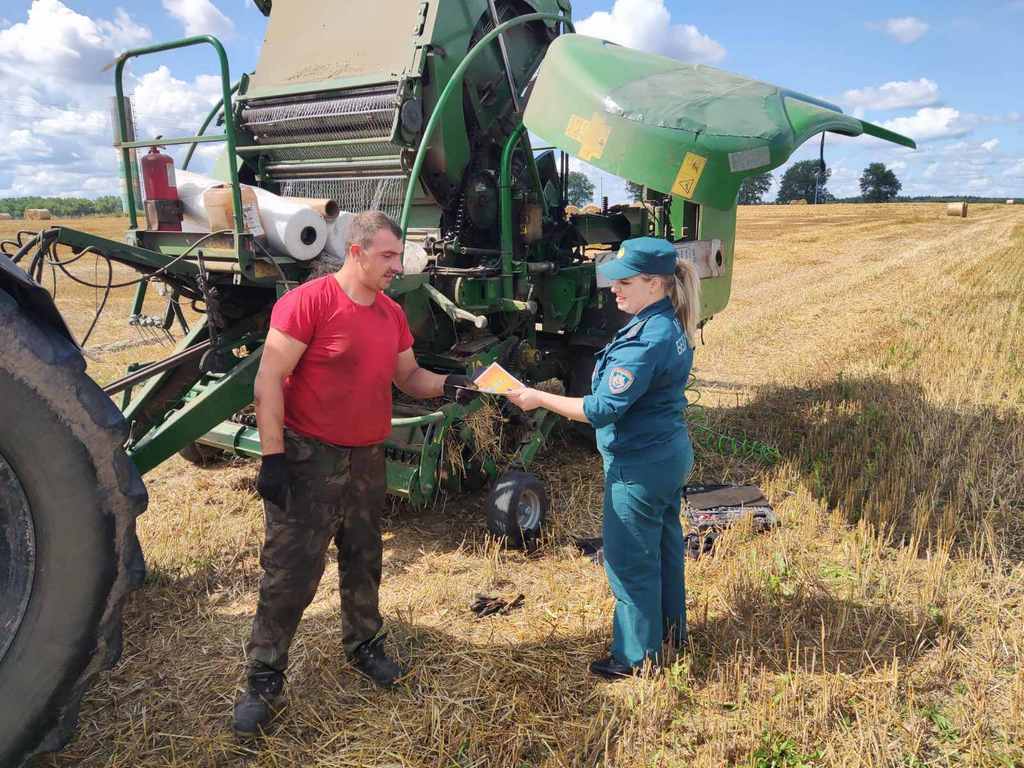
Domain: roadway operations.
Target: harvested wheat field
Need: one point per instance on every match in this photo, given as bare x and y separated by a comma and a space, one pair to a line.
879, 349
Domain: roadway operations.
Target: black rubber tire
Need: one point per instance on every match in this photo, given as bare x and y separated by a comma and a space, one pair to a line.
510, 494
63, 438
202, 455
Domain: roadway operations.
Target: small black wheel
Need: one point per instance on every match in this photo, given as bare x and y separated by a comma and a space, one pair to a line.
517, 507
202, 455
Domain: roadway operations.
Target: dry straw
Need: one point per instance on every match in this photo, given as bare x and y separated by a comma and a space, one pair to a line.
878, 626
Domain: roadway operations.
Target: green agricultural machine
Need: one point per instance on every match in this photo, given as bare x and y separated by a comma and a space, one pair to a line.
428, 116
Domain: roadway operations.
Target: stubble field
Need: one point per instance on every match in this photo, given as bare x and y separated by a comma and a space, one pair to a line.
879, 348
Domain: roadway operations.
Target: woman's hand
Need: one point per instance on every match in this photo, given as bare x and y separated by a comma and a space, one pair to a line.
526, 398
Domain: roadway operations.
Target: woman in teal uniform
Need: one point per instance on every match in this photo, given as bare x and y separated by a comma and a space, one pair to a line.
636, 407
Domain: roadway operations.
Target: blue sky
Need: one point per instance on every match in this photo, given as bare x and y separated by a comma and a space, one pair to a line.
948, 74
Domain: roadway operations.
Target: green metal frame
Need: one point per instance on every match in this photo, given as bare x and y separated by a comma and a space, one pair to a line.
228, 136
455, 81
206, 124
228, 394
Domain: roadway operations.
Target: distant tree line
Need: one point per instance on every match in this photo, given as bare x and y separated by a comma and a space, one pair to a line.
62, 206
805, 180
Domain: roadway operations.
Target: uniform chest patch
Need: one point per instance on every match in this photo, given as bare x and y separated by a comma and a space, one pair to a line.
619, 380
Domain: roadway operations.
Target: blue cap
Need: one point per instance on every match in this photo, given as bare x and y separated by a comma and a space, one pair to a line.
641, 256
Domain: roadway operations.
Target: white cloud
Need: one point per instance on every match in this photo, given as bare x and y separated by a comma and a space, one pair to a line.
164, 105
1015, 170
56, 43
66, 122
55, 132
929, 123
897, 94
990, 145
905, 29
647, 25
200, 17
21, 143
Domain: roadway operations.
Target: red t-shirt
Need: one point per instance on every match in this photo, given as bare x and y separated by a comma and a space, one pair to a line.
340, 390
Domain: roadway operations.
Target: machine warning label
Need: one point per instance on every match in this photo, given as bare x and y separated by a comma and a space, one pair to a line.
749, 159
591, 134
688, 175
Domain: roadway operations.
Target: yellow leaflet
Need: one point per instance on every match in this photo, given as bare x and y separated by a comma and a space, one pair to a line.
496, 380
591, 134
689, 175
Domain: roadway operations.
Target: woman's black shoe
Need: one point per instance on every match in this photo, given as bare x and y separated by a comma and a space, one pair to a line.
611, 669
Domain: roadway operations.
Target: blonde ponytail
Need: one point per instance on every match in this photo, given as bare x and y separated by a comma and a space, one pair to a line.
683, 290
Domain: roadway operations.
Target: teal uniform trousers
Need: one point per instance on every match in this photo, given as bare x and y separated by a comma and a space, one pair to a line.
637, 408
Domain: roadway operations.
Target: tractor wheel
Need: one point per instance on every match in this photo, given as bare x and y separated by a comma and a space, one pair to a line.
517, 507
69, 496
202, 455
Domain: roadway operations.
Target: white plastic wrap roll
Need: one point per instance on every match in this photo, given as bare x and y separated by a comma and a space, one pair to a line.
414, 259
191, 187
292, 229
337, 236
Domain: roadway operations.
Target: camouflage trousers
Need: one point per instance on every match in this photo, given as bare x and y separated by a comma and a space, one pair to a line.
335, 494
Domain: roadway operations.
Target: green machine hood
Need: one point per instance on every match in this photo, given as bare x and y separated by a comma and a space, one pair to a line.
688, 129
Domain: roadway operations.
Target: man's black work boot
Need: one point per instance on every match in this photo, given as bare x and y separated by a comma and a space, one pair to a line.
260, 701
371, 661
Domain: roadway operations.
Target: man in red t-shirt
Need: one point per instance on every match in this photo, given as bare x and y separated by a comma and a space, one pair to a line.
323, 404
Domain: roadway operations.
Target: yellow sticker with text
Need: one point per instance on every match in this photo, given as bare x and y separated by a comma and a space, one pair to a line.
688, 175
592, 135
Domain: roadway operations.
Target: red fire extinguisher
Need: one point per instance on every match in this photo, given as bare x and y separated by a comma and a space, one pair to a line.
163, 207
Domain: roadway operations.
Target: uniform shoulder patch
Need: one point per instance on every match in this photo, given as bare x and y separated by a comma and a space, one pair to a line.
635, 331
619, 380
680, 345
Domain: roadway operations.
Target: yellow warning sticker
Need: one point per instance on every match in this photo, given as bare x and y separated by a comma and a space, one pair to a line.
592, 135
688, 175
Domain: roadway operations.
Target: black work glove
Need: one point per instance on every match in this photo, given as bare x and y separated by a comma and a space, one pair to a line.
272, 483
460, 388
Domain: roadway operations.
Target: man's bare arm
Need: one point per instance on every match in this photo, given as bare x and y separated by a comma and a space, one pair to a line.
415, 381
280, 355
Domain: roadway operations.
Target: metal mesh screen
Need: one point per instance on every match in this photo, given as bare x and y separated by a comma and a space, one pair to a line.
367, 149
365, 119
379, 193
361, 116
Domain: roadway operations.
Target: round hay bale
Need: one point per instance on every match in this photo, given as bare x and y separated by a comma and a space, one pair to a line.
571, 210
37, 214
591, 208
799, 201
5, 216
957, 209
1011, 201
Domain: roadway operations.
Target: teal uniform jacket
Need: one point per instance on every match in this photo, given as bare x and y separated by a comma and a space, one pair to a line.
637, 409
638, 389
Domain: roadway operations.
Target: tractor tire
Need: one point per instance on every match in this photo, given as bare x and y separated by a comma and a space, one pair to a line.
517, 507
69, 496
